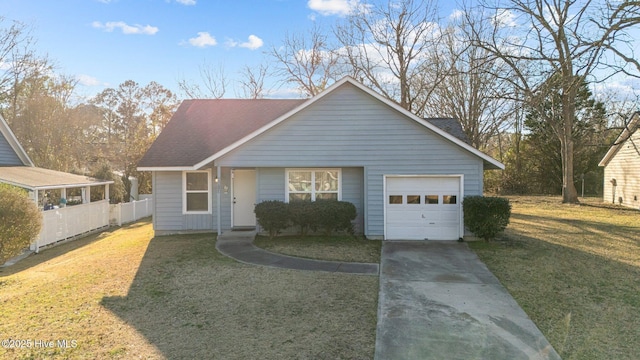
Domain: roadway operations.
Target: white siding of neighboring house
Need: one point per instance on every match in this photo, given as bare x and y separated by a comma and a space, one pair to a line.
624, 166
349, 128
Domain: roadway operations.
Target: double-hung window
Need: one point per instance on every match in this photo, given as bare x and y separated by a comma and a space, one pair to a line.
197, 192
313, 184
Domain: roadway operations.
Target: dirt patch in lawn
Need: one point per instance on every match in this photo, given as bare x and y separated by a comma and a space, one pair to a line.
334, 248
575, 270
128, 295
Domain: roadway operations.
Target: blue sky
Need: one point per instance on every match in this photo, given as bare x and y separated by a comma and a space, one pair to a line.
106, 42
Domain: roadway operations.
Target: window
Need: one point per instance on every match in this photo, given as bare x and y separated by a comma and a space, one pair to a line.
311, 185
395, 199
431, 199
197, 190
449, 199
413, 199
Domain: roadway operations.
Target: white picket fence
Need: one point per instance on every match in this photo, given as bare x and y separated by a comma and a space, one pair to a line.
125, 213
71, 222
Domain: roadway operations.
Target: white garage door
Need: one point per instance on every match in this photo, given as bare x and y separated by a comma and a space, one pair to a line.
422, 208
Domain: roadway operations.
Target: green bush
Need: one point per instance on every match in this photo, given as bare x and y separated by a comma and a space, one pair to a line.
302, 215
332, 215
273, 216
20, 221
486, 216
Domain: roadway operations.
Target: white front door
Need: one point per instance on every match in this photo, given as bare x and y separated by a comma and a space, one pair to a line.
423, 208
244, 198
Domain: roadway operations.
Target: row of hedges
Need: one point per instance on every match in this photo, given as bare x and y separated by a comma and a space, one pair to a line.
328, 216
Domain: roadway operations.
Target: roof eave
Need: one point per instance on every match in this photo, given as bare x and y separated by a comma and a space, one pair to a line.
625, 134
167, 168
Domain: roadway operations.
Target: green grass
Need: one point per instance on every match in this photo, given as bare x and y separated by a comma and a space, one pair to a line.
575, 270
335, 248
125, 294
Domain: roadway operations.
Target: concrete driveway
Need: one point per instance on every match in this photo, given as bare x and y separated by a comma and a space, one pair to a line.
439, 301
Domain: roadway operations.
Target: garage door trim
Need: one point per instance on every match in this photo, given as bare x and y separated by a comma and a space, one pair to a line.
460, 178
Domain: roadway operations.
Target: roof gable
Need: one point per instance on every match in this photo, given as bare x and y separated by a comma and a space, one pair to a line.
12, 141
626, 133
203, 139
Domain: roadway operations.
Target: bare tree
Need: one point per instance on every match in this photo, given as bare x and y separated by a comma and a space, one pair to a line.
16, 48
386, 46
306, 61
252, 81
468, 89
557, 45
212, 84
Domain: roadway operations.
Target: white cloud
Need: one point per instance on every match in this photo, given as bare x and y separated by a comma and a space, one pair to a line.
203, 39
253, 43
456, 14
87, 80
186, 2
336, 7
504, 18
125, 28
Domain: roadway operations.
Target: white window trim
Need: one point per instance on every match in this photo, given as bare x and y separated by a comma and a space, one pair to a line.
313, 179
184, 192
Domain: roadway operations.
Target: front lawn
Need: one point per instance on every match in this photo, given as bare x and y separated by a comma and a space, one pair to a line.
125, 294
575, 270
335, 248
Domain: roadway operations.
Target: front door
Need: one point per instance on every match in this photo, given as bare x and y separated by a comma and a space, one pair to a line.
244, 198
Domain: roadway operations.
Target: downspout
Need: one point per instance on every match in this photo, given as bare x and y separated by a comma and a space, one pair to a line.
218, 207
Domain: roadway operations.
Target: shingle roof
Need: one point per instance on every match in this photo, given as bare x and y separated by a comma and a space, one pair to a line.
200, 128
450, 125
38, 178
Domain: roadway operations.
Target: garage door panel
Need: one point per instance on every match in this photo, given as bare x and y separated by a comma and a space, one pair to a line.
419, 208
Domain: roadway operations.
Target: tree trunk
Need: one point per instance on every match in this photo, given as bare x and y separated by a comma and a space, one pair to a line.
569, 192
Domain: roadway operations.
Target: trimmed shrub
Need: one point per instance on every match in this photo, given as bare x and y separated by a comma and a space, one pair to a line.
332, 215
302, 215
273, 216
20, 221
486, 216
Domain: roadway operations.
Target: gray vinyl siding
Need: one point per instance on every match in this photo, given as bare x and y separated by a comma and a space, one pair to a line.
168, 216
353, 192
625, 168
349, 128
8, 157
271, 184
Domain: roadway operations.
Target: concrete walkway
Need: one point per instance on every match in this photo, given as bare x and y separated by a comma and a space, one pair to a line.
238, 245
439, 301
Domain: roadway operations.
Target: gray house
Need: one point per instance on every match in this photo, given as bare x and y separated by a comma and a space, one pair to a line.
17, 169
622, 167
406, 176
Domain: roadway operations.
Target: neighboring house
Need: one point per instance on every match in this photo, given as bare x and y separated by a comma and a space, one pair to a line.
407, 177
16, 168
622, 167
